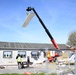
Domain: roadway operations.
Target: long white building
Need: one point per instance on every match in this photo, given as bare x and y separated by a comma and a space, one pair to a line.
35, 51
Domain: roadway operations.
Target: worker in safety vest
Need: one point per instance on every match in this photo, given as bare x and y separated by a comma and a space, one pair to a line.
19, 61
48, 54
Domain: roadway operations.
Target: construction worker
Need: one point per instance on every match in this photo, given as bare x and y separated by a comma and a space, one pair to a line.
48, 54
19, 61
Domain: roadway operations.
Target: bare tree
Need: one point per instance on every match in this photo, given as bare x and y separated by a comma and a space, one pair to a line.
72, 39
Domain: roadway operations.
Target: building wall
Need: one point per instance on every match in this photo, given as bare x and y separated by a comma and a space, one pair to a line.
13, 60
1, 56
15, 52
8, 60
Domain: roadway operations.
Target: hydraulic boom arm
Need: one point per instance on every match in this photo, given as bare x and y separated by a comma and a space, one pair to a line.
46, 30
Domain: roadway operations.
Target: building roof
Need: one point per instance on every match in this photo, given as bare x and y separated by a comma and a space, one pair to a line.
19, 45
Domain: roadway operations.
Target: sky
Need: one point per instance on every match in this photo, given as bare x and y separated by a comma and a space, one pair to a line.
59, 16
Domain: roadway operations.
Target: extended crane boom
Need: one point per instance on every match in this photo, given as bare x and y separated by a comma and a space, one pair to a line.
46, 30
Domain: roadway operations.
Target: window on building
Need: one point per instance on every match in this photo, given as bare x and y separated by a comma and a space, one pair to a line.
7, 54
22, 53
35, 55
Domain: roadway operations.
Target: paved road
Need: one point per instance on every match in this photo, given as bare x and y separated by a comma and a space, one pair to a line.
48, 68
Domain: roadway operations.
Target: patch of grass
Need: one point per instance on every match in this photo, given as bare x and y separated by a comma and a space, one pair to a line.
53, 74
39, 74
31, 74
11, 74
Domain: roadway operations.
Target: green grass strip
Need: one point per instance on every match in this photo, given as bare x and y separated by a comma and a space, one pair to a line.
31, 74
